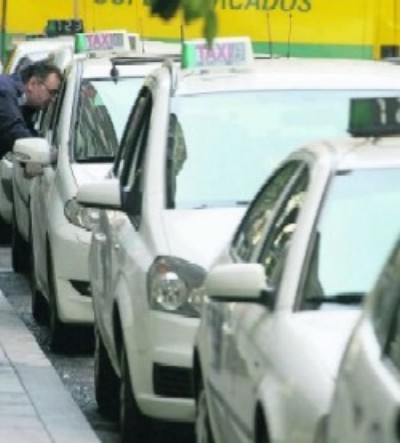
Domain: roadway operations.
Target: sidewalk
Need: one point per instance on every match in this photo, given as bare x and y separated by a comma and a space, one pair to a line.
35, 406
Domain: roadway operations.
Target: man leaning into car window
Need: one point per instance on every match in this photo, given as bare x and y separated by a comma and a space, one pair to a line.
22, 94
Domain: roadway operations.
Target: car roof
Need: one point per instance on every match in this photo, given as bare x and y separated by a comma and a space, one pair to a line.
27, 46
127, 64
294, 73
37, 49
355, 153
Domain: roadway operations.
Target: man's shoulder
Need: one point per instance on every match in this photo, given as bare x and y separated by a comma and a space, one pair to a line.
11, 84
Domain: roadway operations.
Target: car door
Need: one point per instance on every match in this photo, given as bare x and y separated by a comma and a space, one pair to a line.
372, 371
254, 343
40, 190
227, 365
114, 234
22, 182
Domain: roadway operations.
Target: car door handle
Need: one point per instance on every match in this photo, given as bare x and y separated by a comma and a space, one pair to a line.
100, 237
227, 328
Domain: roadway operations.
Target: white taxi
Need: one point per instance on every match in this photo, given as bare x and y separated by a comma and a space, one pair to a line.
21, 183
285, 294
196, 148
82, 132
32, 50
36, 49
366, 402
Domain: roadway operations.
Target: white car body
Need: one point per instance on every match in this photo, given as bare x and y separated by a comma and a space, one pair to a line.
155, 346
269, 345
365, 406
21, 183
60, 229
36, 50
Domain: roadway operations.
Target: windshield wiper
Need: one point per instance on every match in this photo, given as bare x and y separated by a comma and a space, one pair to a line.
343, 298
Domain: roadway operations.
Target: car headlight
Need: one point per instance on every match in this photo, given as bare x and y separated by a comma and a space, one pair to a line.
176, 286
80, 216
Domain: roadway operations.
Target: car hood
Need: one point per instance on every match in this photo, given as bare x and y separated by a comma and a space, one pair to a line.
198, 235
324, 335
89, 172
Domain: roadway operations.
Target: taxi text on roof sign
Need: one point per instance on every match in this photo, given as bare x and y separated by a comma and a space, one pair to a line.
102, 41
224, 52
374, 117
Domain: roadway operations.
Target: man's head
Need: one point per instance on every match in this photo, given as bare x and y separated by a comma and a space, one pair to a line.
42, 82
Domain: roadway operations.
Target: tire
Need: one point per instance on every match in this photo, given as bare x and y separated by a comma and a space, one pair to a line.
40, 309
58, 330
5, 232
20, 249
106, 381
202, 423
134, 426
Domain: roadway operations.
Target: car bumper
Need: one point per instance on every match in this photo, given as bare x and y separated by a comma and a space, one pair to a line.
161, 368
70, 249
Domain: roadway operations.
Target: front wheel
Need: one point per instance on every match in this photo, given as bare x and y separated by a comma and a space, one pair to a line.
20, 249
134, 426
58, 330
106, 381
5, 232
40, 309
202, 425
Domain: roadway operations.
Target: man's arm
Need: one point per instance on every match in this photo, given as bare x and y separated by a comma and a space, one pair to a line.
12, 123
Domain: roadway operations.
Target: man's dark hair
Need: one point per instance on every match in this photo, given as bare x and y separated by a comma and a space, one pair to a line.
41, 70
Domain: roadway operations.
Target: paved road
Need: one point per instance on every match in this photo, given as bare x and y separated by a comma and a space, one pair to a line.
75, 370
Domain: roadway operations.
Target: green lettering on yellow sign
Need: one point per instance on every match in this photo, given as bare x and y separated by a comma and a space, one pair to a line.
113, 2
266, 5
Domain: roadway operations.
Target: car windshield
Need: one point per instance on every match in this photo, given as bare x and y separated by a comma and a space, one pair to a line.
357, 228
103, 110
222, 146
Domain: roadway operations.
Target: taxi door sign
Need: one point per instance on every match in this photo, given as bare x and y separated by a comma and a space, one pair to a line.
224, 52
374, 117
102, 41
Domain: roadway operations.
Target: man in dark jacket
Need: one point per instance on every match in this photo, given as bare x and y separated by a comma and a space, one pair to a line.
22, 94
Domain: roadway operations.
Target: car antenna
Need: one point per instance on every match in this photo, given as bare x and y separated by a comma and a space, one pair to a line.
114, 72
269, 33
289, 35
182, 34
141, 35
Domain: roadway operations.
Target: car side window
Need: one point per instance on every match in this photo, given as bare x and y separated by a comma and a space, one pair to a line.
50, 115
393, 344
176, 157
95, 134
129, 133
131, 176
249, 233
385, 307
277, 242
55, 126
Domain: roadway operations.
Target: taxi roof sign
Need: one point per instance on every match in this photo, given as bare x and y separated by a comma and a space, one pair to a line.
374, 117
225, 52
102, 41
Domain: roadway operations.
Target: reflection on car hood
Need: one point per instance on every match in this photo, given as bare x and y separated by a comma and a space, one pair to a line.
325, 334
89, 172
198, 235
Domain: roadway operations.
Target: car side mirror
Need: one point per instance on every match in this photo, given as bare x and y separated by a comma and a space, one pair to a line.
103, 194
33, 149
239, 282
